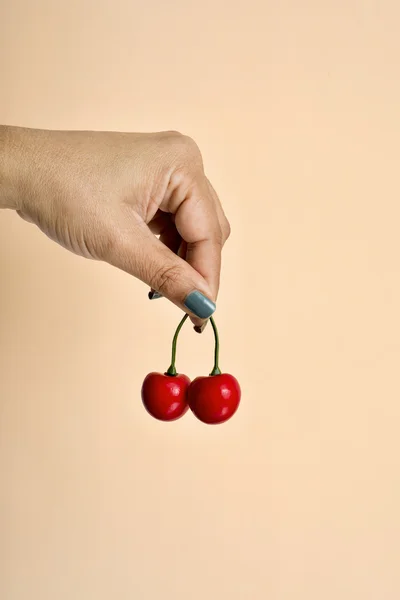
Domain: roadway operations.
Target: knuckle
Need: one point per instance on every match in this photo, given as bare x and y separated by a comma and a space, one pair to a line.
183, 151
180, 139
188, 147
166, 278
227, 230
190, 143
172, 133
222, 233
219, 237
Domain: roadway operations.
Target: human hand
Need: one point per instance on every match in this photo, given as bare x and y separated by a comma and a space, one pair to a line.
106, 196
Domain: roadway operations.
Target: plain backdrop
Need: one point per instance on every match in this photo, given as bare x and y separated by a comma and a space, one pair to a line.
295, 106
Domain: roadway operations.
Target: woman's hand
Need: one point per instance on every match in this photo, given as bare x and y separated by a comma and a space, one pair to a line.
106, 196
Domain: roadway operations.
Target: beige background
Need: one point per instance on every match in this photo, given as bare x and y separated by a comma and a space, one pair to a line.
296, 108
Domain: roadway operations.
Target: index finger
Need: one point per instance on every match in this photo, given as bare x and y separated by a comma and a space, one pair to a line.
197, 220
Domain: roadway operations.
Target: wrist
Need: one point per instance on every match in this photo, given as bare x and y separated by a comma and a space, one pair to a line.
11, 166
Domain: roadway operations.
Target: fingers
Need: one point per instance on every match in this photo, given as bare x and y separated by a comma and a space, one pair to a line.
184, 265
171, 239
146, 257
196, 211
205, 257
163, 225
224, 223
200, 221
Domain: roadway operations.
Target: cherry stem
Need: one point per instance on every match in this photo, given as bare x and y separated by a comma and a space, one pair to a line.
172, 369
216, 370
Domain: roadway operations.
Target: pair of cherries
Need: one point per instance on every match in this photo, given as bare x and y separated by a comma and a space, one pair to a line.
213, 399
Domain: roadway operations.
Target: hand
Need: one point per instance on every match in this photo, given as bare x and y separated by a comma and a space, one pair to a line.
107, 196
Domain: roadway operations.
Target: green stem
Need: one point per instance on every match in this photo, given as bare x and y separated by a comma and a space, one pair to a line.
172, 370
216, 370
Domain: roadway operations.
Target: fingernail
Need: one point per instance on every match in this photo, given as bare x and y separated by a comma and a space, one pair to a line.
200, 328
199, 305
153, 295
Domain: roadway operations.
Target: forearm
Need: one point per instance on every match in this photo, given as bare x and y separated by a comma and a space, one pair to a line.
8, 168
16, 145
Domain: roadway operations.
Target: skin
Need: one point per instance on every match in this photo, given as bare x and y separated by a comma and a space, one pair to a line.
108, 196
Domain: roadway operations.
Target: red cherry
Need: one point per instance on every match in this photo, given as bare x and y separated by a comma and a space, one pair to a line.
165, 396
214, 399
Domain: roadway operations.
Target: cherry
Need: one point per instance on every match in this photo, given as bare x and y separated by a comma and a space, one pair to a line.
214, 399
164, 395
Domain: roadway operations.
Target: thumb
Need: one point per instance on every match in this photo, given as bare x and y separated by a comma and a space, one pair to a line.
156, 265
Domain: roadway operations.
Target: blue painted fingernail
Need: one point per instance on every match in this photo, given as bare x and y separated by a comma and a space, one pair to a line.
199, 305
